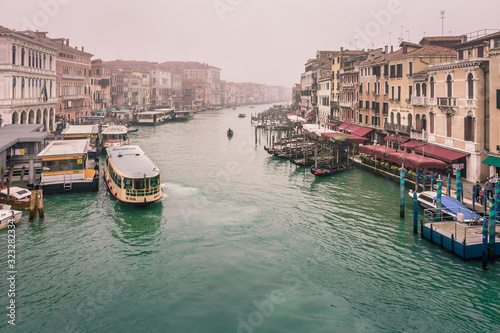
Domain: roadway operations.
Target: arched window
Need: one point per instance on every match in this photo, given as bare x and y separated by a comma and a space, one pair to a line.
417, 89
392, 117
418, 123
361, 87
386, 88
432, 87
470, 86
449, 86
469, 128
424, 89
13, 55
424, 122
399, 119
15, 117
410, 121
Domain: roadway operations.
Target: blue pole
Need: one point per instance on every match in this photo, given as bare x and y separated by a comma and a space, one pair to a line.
423, 178
432, 181
402, 192
448, 189
485, 243
473, 198
438, 198
485, 201
458, 184
415, 213
416, 181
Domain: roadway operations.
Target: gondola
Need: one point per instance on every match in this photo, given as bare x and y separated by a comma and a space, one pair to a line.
328, 170
229, 133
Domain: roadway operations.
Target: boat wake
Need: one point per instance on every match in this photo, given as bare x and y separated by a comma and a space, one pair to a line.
179, 189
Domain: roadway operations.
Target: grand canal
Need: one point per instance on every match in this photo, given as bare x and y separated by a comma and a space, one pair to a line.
242, 243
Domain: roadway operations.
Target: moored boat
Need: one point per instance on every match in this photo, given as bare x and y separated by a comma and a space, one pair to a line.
19, 198
67, 168
114, 135
180, 115
7, 214
131, 176
323, 171
151, 118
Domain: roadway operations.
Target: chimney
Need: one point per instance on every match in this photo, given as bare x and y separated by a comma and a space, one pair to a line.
67, 42
341, 49
83, 49
464, 38
386, 49
392, 48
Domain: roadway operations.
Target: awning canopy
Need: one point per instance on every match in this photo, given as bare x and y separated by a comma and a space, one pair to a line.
399, 157
92, 117
396, 138
352, 138
343, 126
492, 160
98, 111
440, 153
360, 130
412, 144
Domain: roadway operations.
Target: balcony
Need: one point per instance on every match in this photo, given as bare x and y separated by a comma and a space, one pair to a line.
419, 135
346, 104
397, 128
73, 97
348, 85
419, 101
447, 102
73, 77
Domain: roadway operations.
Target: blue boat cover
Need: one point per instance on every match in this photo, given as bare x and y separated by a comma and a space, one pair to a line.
453, 207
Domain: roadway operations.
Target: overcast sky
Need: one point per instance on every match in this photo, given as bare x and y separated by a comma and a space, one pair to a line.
263, 41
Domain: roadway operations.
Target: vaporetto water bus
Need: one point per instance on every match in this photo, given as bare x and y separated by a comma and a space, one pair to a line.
114, 135
131, 176
151, 118
67, 168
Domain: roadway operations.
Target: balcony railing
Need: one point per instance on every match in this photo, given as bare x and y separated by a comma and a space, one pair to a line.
448, 102
73, 77
72, 97
418, 100
346, 104
397, 128
419, 135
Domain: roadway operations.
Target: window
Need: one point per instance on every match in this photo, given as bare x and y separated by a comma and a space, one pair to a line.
418, 123
22, 56
424, 89
480, 51
470, 86
469, 128
366, 119
399, 70
449, 86
392, 93
386, 88
368, 88
461, 55
432, 87
410, 124
393, 72
399, 93
410, 68
361, 104
386, 70
13, 55
417, 89
498, 98
361, 87
410, 91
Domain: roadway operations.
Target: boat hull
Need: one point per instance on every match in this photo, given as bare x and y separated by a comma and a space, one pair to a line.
7, 215
89, 186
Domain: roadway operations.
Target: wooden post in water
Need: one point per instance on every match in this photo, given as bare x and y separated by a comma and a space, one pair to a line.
438, 198
21, 178
485, 243
402, 192
415, 213
9, 181
31, 172
36, 204
255, 135
416, 181
315, 157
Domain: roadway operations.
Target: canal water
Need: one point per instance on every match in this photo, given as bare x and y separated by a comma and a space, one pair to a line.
242, 242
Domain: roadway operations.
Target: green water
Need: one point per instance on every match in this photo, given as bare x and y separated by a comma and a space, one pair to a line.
243, 242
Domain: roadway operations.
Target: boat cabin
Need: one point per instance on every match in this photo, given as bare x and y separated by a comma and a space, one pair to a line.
66, 167
150, 118
79, 132
114, 135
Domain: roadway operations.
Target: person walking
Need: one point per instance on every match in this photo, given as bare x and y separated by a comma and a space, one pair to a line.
488, 187
478, 190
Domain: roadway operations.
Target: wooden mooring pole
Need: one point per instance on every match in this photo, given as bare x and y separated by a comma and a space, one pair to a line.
36, 204
21, 178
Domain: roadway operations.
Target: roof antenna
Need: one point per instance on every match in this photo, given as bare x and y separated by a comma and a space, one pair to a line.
442, 22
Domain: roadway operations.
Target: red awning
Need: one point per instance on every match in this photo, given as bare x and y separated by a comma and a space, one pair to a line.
343, 126
309, 117
376, 151
440, 153
361, 131
415, 161
401, 139
412, 144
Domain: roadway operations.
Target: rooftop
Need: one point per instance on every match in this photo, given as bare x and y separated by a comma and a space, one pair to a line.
12, 134
80, 129
65, 148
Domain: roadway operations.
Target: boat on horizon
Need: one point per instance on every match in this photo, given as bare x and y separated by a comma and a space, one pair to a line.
181, 115
131, 176
242, 115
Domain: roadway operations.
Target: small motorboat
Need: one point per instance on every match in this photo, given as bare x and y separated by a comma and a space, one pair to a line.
242, 115
19, 198
7, 214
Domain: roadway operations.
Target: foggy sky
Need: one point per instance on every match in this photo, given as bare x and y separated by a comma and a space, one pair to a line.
262, 41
